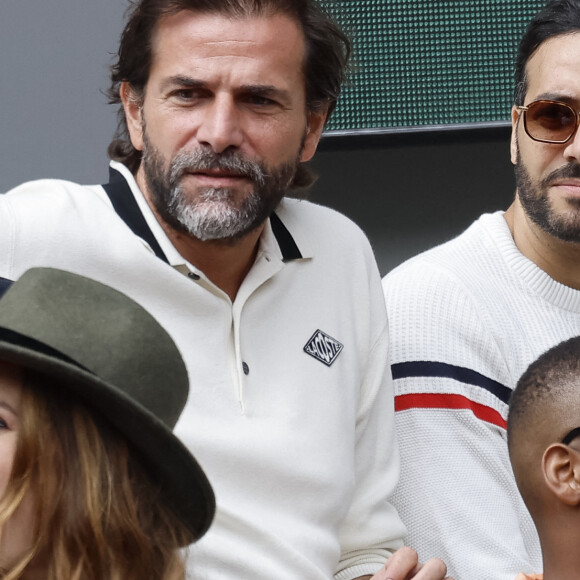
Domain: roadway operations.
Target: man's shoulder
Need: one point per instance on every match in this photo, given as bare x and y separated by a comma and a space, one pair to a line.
465, 260
53, 195
322, 226
50, 215
309, 212
449, 305
331, 236
465, 282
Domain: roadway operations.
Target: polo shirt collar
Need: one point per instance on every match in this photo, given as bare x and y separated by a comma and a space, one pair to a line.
276, 237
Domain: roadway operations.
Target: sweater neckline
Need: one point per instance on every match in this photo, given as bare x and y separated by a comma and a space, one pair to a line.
531, 275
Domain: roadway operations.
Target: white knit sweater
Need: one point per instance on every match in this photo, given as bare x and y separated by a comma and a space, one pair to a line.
466, 319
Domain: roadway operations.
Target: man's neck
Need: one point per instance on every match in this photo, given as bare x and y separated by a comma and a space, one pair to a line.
225, 262
559, 259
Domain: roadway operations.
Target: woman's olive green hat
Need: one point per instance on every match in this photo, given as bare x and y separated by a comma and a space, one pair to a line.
101, 345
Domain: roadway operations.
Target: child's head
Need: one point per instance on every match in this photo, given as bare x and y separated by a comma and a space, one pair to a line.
544, 436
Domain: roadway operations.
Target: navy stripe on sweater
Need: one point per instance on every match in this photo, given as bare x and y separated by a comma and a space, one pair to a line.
444, 370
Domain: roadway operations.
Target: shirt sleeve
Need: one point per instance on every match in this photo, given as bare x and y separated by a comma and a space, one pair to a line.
456, 494
372, 529
38, 218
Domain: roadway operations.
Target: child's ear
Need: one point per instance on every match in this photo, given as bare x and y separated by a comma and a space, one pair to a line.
561, 467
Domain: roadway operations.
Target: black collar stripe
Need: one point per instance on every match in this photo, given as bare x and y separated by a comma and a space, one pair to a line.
285, 240
126, 207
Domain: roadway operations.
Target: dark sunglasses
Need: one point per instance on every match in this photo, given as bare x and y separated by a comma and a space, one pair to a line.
569, 437
550, 121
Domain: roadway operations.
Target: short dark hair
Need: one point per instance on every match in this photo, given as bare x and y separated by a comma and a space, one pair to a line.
552, 373
327, 53
556, 18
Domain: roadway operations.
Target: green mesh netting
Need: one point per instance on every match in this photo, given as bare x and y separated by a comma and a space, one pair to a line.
430, 62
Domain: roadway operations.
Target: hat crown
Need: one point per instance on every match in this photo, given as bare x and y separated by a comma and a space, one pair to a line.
102, 346
103, 331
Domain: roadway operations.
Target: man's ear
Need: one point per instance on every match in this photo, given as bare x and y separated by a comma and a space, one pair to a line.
132, 105
561, 468
514, 139
316, 121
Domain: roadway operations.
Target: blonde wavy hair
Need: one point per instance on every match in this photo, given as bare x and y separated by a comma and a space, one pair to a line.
97, 512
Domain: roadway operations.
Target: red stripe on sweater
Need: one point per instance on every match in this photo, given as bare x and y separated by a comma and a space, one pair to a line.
447, 401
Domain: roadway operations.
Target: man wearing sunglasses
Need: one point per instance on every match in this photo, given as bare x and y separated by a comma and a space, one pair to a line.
468, 317
544, 448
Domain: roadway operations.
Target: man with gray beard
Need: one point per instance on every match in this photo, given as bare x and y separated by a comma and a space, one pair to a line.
468, 317
212, 217
275, 303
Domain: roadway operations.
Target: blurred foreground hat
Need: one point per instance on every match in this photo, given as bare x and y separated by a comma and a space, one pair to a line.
109, 351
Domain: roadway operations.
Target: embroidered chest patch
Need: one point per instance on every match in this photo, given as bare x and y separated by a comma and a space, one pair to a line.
323, 347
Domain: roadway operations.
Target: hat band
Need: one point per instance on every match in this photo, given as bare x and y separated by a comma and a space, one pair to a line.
15, 338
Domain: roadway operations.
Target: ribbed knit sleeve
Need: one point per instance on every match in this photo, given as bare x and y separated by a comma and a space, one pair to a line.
466, 320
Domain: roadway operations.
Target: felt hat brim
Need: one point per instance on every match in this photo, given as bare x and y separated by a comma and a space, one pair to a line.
183, 485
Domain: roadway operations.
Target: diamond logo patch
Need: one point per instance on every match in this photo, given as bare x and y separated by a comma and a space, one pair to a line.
323, 347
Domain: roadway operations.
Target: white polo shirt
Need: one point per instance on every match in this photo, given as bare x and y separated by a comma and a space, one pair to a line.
290, 410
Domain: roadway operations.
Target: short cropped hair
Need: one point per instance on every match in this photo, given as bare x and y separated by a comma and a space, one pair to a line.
327, 53
544, 381
556, 18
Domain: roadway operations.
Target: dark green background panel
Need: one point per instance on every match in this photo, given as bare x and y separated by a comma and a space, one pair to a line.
429, 63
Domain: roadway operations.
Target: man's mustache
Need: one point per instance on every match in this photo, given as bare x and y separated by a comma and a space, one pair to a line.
571, 169
231, 162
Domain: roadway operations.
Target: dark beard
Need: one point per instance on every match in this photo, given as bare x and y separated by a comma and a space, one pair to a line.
536, 203
214, 216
